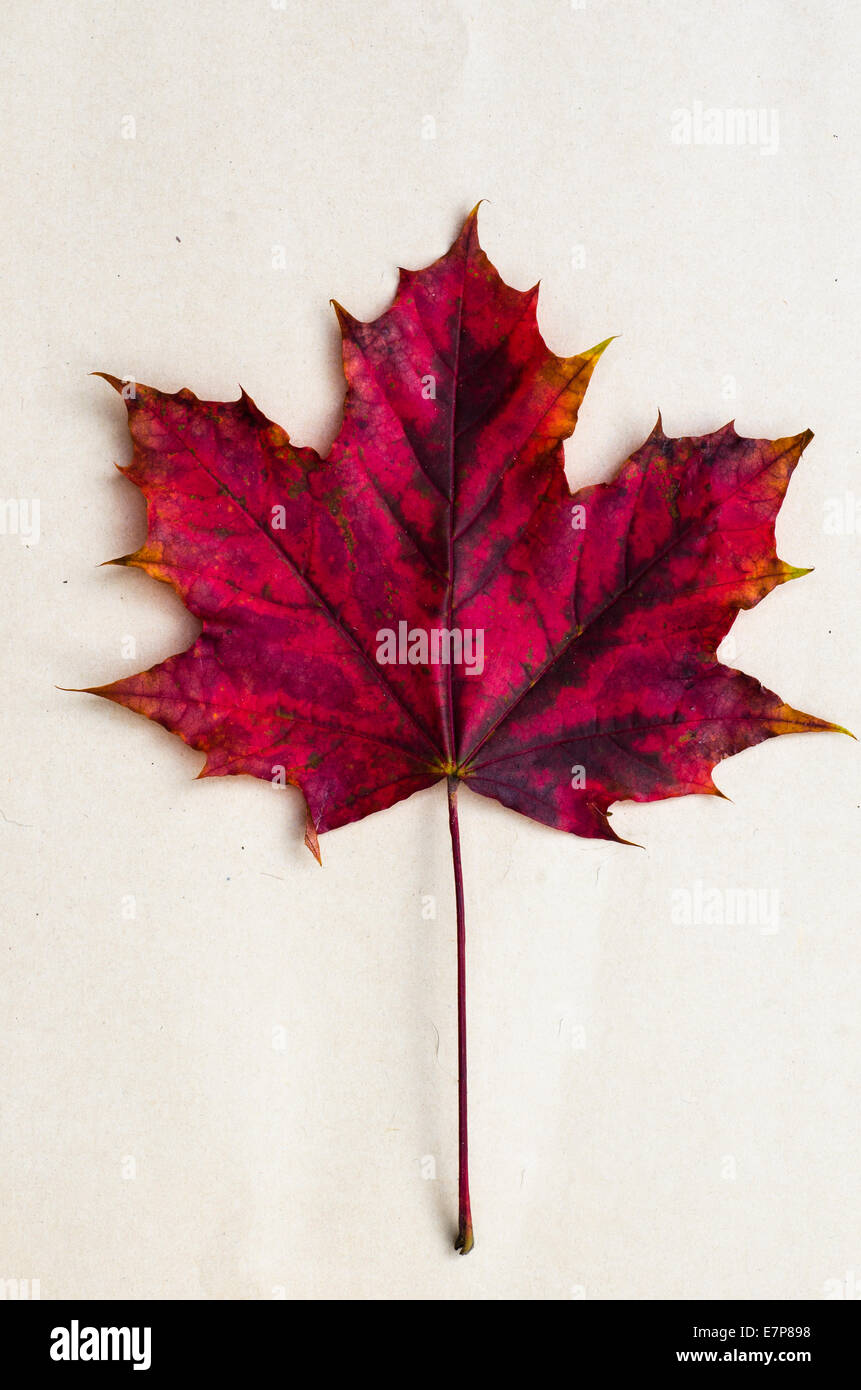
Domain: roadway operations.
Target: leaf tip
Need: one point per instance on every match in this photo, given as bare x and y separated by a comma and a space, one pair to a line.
605, 829
311, 841
714, 790
592, 354
111, 380
345, 319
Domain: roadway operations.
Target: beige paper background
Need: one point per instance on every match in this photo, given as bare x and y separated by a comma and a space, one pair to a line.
658, 1110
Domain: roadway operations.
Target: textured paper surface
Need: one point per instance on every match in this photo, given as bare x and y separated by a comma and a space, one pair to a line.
229, 1073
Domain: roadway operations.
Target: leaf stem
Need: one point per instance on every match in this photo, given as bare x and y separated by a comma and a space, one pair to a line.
464, 1242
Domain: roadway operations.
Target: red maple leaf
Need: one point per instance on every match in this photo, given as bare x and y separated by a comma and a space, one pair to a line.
431, 600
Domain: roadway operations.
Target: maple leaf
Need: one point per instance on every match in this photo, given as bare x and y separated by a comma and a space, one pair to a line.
432, 601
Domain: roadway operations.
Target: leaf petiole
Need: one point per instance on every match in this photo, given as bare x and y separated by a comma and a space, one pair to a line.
465, 1241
